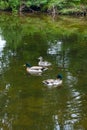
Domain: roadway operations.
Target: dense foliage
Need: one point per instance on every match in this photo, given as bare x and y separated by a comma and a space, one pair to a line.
50, 6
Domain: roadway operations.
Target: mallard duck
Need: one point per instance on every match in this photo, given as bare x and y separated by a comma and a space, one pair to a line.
43, 63
35, 70
54, 82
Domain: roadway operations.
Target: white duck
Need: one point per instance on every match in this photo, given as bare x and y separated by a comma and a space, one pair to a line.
54, 82
43, 63
35, 70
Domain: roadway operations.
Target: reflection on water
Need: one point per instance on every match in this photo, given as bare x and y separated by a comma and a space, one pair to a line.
74, 104
72, 114
66, 125
56, 48
25, 103
6, 122
4, 119
55, 119
71, 80
3, 64
2, 45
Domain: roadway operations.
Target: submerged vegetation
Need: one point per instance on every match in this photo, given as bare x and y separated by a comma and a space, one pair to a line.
78, 7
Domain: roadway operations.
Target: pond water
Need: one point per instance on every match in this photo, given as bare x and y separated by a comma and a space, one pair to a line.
25, 103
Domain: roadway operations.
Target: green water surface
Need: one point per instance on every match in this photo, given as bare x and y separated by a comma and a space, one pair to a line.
25, 103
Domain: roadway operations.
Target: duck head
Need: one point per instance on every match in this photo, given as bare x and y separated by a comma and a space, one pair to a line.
28, 65
40, 58
59, 76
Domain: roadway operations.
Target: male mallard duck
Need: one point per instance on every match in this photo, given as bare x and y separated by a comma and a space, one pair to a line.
43, 63
35, 70
54, 82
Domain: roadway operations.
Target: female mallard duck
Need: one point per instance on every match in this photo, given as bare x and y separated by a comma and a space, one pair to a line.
54, 82
35, 70
43, 63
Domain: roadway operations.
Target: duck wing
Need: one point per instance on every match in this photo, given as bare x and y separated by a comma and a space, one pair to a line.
49, 81
44, 63
36, 67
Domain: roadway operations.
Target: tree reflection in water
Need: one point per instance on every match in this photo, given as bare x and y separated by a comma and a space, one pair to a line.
72, 113
4, 119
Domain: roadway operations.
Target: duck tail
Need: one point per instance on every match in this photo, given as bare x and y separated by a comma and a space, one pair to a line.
44, 68
45, 82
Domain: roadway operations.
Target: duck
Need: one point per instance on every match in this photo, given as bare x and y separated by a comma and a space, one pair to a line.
43, 63
53, 82
34, 70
